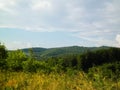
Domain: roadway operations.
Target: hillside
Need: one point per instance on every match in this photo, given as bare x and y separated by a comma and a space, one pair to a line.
54, 52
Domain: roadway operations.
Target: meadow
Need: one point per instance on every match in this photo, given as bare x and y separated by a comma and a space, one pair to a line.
54, 81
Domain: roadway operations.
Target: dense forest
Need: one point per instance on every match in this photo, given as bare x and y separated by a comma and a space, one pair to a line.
98, 65
60, 51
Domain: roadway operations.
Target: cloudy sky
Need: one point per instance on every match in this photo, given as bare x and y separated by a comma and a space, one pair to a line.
57, 23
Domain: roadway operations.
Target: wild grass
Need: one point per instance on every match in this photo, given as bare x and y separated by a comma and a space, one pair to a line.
54, 81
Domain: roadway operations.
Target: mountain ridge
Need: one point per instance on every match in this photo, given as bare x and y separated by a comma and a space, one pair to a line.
58, 51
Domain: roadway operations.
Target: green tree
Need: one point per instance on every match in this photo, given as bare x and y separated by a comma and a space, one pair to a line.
3, 56
15, 60
31, 65
99, 57
3, 52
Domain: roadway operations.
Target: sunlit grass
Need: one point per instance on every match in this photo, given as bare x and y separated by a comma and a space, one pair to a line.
53, 81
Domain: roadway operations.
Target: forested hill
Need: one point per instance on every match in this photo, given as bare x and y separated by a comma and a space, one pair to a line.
53, 52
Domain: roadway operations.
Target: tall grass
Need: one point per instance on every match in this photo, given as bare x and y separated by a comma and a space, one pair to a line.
54, 81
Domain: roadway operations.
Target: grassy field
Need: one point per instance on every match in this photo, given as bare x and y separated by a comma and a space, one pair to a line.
54, 81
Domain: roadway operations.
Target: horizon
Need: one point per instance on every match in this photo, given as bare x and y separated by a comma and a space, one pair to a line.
59, 23
61, 47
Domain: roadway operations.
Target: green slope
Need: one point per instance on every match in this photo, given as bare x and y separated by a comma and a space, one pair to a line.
53, 52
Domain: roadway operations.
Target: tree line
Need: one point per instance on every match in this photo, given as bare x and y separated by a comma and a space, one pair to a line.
106, 60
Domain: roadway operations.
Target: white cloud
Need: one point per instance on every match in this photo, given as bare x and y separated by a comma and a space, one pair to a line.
41, 5
118, 39
17, 45
6, 5
75, 13
94, 20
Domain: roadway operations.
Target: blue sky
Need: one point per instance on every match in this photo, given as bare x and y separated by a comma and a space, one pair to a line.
58, 23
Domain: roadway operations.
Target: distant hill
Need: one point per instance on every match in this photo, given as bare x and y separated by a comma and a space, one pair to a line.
53, 52
35, 50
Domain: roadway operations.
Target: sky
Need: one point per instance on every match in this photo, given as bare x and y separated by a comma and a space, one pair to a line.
58, 23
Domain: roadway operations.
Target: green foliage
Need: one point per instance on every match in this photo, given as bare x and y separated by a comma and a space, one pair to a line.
35, 66
3, 52
61, 51
101, 65
15, 60
99, 57
69, 63
108, 70
3, 56
30, 65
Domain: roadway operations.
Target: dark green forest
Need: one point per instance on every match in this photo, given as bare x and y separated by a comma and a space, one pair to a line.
61, 51
67, 59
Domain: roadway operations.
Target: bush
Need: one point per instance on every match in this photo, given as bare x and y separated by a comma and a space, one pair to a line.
99, 57
108, 70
